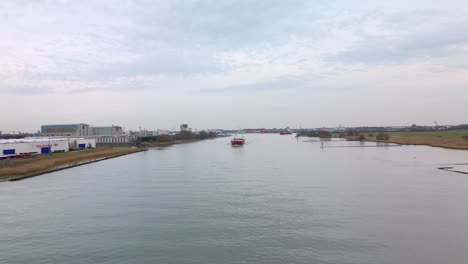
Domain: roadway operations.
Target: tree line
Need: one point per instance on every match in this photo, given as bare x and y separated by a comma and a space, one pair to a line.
183, 135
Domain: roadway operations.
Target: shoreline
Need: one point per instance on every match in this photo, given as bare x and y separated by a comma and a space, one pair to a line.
66, 162
168, 143
69, 163
438, 142
149, 144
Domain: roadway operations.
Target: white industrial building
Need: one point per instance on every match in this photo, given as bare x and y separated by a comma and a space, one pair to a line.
25, 147
110, 135
149, 133
82, 143
160, 132
112, 139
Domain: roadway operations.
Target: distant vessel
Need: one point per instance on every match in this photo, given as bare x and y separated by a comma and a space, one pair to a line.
237, 141
286, 131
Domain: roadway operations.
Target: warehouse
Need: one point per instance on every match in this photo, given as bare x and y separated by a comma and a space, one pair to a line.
26, 147
11, 148
76, 130
82, 143
107, 131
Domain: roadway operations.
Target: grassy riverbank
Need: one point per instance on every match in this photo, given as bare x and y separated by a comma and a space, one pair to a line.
439, 134
453, 139
24, 168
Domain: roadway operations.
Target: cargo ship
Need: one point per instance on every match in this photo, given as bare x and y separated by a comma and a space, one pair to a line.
237, 141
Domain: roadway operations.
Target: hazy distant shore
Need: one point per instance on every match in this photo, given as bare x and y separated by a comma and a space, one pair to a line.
25, 168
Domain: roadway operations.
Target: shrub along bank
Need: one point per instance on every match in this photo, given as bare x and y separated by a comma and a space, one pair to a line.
181, 137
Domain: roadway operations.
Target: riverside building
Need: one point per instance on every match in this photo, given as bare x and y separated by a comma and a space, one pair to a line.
26, 147
101, 134
74, 130
110, 135
108, 131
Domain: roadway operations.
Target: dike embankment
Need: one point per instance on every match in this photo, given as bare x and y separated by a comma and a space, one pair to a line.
14, 170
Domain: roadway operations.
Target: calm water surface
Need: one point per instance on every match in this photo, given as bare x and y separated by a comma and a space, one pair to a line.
274, 200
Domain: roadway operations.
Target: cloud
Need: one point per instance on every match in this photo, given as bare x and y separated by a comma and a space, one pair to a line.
442, 41
280, 84
208, 51
24, 90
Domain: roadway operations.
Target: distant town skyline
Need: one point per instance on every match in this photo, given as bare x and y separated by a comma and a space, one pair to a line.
233, 64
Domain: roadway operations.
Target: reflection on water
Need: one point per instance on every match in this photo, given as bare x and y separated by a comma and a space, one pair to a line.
275, 200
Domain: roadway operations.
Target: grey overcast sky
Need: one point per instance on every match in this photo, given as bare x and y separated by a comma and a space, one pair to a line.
233, 64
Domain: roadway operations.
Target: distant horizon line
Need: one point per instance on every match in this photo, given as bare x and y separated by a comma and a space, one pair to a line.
2, 132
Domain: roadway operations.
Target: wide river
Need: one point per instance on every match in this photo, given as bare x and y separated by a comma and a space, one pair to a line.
274, 200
